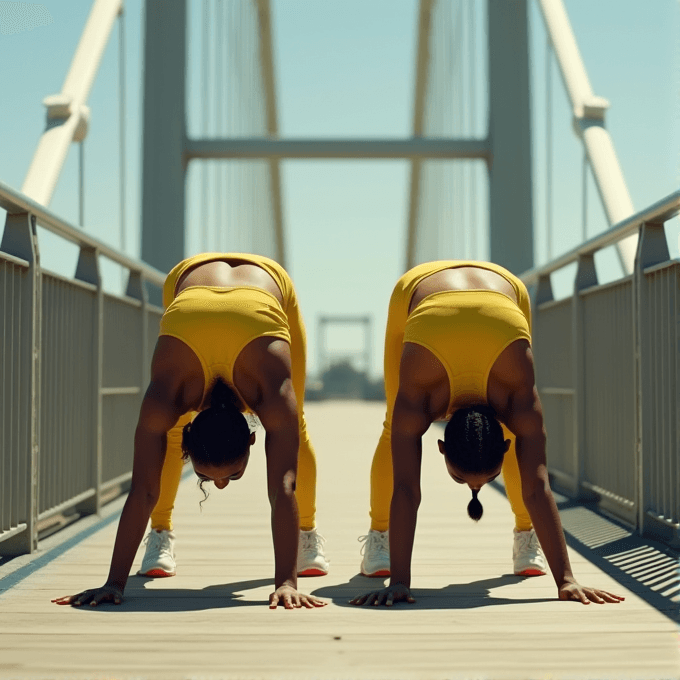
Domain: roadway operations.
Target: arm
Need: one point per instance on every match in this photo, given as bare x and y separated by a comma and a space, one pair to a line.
160, 410
157, 416
410, 420
279, 416
525, 419
409, 423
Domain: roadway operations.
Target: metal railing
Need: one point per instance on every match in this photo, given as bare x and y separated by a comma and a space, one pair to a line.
607, 373
75, 362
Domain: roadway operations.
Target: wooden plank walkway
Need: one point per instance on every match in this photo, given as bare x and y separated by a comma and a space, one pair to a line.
473, 619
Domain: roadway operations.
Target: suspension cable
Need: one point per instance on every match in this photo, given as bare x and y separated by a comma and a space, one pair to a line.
81, 182
122, 139
473, 116
548, 148
205, 40
219, 122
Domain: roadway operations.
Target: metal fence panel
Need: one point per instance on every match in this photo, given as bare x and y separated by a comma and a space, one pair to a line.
661, 450
119, 420
15, 298
552, 345
123, 357
609, 380
553, 355
558, 415
67, 404
123, 350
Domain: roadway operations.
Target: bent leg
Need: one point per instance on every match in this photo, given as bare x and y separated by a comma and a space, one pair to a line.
161, 515
381, 468
305, 490
513, 485
381, 479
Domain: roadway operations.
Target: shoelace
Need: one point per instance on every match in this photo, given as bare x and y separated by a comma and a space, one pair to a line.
311, 542
527, 539
381, 539
156, 541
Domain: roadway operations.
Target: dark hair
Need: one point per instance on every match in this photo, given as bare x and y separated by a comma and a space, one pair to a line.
474, 443
219, 434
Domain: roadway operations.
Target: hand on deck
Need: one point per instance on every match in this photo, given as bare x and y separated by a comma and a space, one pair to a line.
290, 598
574, 591
93, 597
387, 596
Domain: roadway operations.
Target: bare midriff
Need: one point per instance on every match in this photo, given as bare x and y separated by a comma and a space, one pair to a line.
461, 278
229, 274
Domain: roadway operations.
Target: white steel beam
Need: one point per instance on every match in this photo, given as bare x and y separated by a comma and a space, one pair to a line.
414, 148
589, 111
67, 113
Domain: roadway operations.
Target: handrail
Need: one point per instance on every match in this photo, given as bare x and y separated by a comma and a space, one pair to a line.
661, 211
15, 202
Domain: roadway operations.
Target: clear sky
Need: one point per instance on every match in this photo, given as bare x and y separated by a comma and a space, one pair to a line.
345, 68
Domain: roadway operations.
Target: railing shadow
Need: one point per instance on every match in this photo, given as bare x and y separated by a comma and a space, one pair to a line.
648, 568
139, 598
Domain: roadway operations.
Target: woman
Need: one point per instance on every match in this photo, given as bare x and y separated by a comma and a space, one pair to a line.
231, 340
458, 348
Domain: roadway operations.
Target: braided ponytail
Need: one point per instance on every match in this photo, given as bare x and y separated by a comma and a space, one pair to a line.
474, 443
474, 508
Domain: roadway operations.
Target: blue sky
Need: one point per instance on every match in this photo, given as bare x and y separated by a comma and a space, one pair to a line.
345, 69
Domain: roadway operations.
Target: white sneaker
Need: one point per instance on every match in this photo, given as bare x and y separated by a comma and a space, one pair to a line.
159, 558
376, 552
311, 560
527, 556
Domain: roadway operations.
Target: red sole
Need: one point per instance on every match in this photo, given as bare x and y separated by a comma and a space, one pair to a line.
157, 573
530, 572
313, 572
378, 574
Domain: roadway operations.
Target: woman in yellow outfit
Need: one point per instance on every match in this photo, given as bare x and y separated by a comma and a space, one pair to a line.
231, 341
458, 348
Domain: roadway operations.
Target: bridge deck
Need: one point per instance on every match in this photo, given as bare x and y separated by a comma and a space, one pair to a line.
472, 618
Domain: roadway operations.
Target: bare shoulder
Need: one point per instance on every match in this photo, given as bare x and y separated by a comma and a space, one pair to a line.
177, 373
423, 393
420, 371
512, 390
514, 367
263, 372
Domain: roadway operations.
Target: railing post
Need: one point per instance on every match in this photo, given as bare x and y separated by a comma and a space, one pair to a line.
586, 276
164, 133
20, 239
544, 291
136, 289
510, 184
87, 270
652, 249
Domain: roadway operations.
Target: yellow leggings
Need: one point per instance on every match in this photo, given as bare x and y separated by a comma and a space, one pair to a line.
381, 469
161, 516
